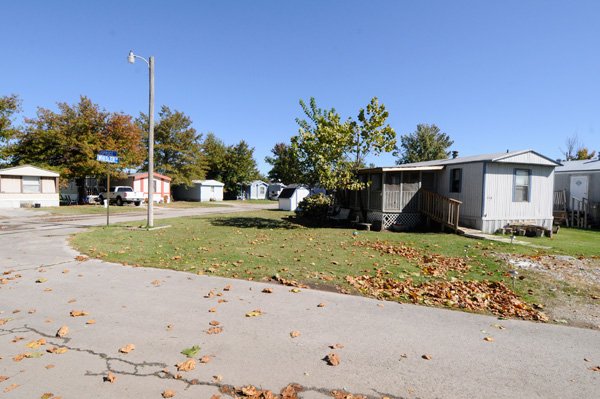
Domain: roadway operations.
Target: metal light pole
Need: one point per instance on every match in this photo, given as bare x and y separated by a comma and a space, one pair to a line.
131, 58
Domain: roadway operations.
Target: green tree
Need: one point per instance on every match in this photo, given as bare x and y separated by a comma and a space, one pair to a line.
286, 166
584, 153
69, 140
177, 147
240, 167
331, 150
427, 143
9, 106
215, 152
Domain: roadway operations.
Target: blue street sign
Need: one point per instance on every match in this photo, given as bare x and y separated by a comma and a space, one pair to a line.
107, 156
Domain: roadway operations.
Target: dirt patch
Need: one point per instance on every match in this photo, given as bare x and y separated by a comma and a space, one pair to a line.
572, 286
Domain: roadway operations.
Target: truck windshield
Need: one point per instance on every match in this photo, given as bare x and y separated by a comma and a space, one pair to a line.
123, 189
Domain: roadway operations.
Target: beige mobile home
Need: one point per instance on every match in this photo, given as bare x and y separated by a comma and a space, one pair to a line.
484, 192
28, 186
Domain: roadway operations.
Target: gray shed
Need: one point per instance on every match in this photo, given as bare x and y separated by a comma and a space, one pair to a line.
580, 180
256, 189
484, 192
201, 190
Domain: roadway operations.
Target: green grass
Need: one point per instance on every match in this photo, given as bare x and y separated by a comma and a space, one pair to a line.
260, 244
192, 204
255, 201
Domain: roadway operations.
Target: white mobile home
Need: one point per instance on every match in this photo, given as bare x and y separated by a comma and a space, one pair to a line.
256, 189
485, 192
290, 197
580, 180
28, 186
201, 190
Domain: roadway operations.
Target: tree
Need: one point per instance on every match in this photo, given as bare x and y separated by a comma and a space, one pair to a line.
286, 166
215, 152
575, 150
240, 167
177, 147
9, 106
331, 150
69, 140
427, 143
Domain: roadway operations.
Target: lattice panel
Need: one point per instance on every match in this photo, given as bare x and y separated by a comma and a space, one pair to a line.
406, 219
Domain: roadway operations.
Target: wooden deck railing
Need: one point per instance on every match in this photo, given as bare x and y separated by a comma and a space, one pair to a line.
443, 210
580, 209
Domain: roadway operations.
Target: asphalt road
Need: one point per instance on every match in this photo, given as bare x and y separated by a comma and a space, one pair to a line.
162, 312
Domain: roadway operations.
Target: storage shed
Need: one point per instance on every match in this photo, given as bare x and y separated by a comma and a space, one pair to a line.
28, 186
256, 189
140, 183
274, 190
201, 190
484, 192
580, 181
290, 197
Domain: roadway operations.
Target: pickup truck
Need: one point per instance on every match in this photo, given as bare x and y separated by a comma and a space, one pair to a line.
121, 195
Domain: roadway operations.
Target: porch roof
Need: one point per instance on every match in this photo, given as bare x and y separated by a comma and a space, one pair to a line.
402, 168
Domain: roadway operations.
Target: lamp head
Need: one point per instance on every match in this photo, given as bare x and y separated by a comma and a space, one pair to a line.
131, 57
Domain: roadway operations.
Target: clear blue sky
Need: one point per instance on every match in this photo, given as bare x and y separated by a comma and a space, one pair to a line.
493, 75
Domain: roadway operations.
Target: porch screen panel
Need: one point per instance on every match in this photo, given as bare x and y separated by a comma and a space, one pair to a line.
410, 187
392, 198
375, 199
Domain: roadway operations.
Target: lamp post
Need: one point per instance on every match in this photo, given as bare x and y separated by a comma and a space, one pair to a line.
150, 61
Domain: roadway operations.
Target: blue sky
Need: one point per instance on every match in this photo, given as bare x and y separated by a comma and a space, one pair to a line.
493, 75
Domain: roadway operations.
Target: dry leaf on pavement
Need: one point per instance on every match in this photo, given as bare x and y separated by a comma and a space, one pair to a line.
205, 359
267, 290
217, 378
168, 393
212, 310
295, 334
332, 359
227, 287
488, 339
10, 387
110, 377
78, 313
426, 357
3, 378
56, 350
214, 323
63, 331
254, 313
321, 305
127, 348
187, 365
90, 321
291, 391
214, 330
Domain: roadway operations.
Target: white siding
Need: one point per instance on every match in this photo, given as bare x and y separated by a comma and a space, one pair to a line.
562, 181
10, 184
198, 192
48, 185
500, 208
528, 158
470, 194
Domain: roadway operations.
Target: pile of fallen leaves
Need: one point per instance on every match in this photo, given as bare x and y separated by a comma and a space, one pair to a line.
431, 264
251, 392
478, 296
289, 283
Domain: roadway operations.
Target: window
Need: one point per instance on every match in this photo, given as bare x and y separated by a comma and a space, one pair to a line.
455, 180
521, 185
31, 184
261, 190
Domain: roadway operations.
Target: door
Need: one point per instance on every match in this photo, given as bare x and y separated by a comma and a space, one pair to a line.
579, 187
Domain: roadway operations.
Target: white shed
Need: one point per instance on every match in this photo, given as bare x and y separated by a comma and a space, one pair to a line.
27, 186
256, 189
290, 197
200, 190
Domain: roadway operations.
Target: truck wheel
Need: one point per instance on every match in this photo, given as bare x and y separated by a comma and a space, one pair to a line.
119, 201
137, 203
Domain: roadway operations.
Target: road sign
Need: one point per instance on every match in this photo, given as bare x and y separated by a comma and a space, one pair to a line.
107, 156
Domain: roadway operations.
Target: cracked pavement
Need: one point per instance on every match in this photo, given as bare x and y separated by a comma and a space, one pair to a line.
383, 341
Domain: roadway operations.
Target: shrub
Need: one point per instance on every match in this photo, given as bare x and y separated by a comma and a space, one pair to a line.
314, 207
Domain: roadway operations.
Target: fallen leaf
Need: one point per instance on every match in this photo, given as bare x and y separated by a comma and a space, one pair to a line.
597, 368
41, 280
426, 357
227, 287
155, 283
57, 350
187, 365
31, 311
214, 330
110, 377
49, 366
291, 391
4, 321
81, 258
19, 357
267, 290
127, 348
169, 327
47, 395
215, 397
295, 290
222, 301
65, 271
90, 321
295, 334
191, 352
212, 310
217, 378
3, 378
10, 387
249, 390
210, 294
47, 289
488, 339
205, 359
17, 339
254, 313
36, 344
34, 355
337, 346
321, 305
214, 323
168, 393
72, 300
78, 313
332, 359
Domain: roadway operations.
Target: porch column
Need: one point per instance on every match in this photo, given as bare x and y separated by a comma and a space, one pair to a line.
383, 192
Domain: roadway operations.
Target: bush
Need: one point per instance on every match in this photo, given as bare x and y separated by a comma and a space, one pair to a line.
314, 207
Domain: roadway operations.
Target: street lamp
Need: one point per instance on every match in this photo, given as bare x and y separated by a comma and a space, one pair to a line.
131, 58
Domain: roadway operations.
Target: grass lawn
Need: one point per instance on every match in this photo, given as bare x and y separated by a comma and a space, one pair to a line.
192, 204
255, 201
262, 244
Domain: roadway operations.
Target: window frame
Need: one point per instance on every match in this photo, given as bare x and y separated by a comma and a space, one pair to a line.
528, 186
451, 187
23, 185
